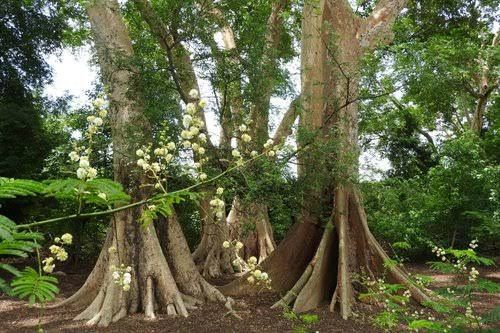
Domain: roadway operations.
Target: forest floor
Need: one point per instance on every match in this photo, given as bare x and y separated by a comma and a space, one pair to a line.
17, 316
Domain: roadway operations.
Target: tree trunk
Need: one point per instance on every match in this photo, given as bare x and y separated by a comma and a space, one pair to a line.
154, 287
250, 224
211, 258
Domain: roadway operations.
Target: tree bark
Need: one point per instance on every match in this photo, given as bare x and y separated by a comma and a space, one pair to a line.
154, 286
250, 224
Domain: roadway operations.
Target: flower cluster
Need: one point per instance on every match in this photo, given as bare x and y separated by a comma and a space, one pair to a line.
473, 274
81, 154
58, 251
440, 253
473, 244
256, 276
192, 135
121, 276
217, 205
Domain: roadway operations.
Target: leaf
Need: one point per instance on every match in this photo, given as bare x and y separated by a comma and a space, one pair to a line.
6, 227
427, 324
29, 284
488, 286
12, 188
492, 316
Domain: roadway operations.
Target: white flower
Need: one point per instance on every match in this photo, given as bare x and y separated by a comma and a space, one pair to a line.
186, 120
102, 195
48, 261
91, 173
156, 167
219, 215
202, 103
264, 276
220, 190
271, 153
49, 268
84, 162
67, 238
171, 145
140, 162
90, 119
186, 144
169, 157
197, 165
99, 102
190, 108
195, 146
159, 151
226, 245
235, 153
103, 113
251, 279
57, 239
81, 173
97, 121
112, 250
193, 93
116, 275
252, 260
257, 273
246, 138
202, 137
253, 153
74, 156
127, 278
193, 130
186, 134
128, 269
126, 287
201, 150
203, 176
62, 255
239, 245
243, 128
139, 152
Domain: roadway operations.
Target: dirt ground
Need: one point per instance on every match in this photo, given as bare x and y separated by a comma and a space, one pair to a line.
17, 316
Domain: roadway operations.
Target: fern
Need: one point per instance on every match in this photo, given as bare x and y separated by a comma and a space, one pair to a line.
4, 285
113, 190
492, 316
7, 227
71, 188
11, 188
64, 189
29, 284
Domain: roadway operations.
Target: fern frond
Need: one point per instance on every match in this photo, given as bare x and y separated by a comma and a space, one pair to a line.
34, 286
11, 188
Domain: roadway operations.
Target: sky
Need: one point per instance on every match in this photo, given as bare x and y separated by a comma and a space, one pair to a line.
74, 74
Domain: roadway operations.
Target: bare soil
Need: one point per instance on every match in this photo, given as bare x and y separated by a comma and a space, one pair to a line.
17, 316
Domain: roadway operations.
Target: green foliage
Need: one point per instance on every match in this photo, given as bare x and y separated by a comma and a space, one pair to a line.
34, 286
11, 188
456, 200
162, 205
88, 191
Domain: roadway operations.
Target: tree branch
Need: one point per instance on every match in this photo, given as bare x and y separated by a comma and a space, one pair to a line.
377, 28
285, 127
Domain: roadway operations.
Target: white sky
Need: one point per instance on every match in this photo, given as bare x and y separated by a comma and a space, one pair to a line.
73, 74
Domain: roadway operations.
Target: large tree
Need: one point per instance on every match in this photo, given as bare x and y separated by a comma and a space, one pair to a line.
161, 281
239, 72
311, 267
